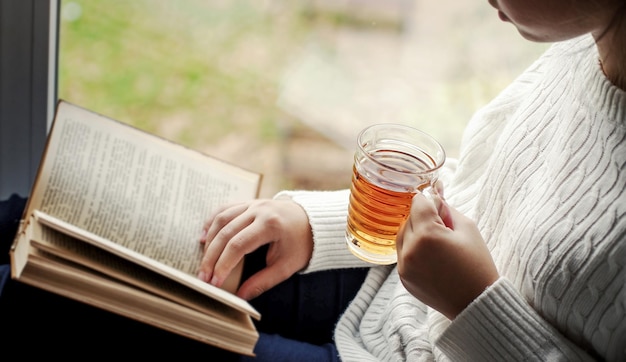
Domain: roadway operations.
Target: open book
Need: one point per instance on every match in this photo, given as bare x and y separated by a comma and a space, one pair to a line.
113, 221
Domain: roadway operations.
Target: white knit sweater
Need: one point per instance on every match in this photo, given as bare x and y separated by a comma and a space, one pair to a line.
542, 172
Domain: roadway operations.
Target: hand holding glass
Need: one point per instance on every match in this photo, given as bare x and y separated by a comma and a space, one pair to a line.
391, 164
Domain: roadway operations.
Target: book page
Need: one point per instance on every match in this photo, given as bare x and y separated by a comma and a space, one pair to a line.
106, 246
140, 191
76, 251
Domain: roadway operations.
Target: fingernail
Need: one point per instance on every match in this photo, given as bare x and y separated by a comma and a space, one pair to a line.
202, 276
429, 194
202, 236
214, 281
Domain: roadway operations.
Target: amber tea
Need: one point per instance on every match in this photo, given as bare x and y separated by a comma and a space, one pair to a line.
392, 163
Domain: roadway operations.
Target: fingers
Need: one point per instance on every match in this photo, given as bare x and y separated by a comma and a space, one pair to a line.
220, 217
238, 230
444, 212
228, 239
432, 206
428, 213
260, 282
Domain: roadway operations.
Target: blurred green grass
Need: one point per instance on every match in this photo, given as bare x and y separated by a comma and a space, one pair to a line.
208, 74
172, 67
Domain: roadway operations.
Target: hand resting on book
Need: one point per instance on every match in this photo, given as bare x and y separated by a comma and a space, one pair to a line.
236, 230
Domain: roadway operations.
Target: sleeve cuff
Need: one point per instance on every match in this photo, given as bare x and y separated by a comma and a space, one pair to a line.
327, 213
500, 325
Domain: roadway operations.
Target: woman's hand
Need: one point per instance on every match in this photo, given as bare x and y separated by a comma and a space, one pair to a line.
236, 230
442, 258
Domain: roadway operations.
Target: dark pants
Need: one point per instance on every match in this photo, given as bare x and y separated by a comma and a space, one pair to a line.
298, 316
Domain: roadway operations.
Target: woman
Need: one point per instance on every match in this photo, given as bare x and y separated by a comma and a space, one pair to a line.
524, 259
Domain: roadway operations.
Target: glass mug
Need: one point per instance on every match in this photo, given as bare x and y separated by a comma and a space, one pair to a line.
392, 163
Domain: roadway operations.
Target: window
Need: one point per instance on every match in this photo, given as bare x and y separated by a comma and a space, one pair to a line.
283, 87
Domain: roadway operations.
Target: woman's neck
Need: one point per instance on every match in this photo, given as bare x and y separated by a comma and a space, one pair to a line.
612, 48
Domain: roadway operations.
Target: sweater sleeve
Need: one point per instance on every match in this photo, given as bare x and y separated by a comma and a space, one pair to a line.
500, 325
327, 212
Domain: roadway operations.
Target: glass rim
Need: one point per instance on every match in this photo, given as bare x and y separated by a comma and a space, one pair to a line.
439, 159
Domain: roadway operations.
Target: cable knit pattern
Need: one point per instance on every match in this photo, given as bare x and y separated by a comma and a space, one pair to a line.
542, 172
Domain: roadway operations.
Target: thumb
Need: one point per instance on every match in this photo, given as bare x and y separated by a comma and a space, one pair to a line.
259, 283
435, 196
443, 209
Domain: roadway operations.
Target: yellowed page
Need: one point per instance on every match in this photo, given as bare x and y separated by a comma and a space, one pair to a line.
65, 247
183, 279
124, 185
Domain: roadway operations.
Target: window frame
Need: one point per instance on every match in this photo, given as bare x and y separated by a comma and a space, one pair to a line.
29, 35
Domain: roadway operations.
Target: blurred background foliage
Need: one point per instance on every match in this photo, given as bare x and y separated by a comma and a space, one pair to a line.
159, 64
282, 87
